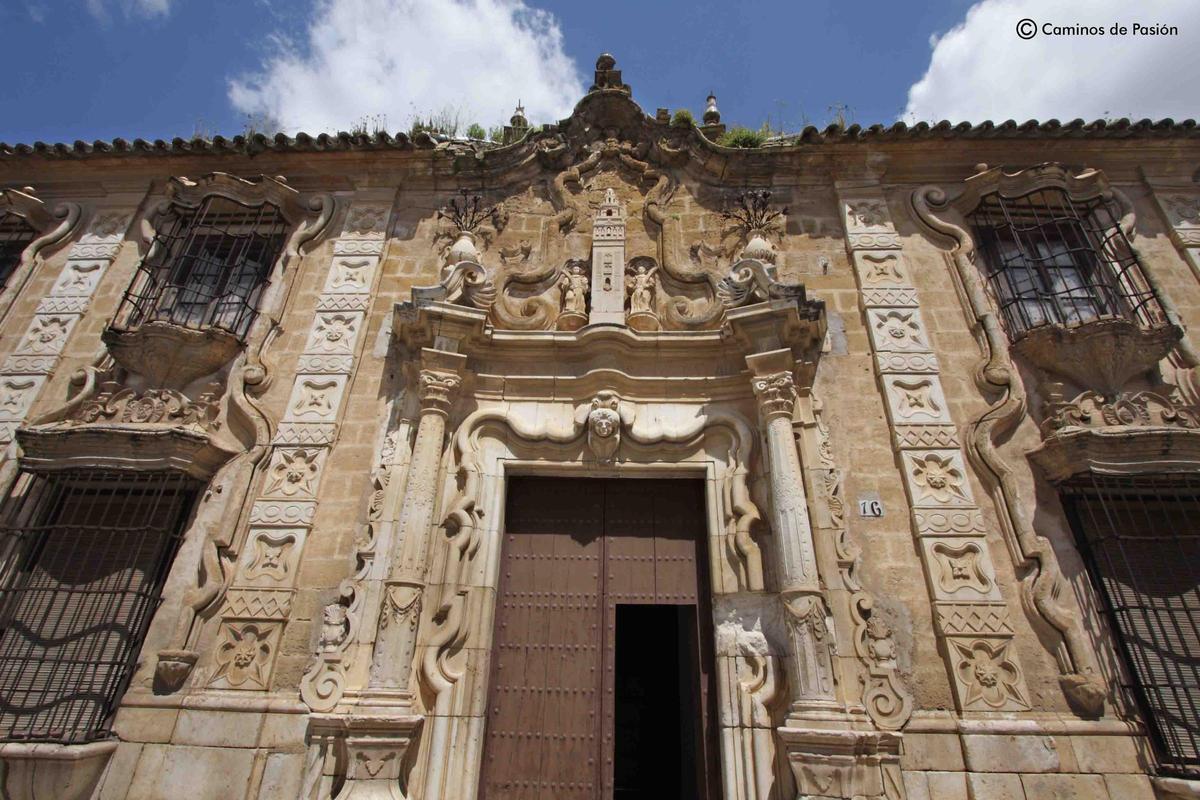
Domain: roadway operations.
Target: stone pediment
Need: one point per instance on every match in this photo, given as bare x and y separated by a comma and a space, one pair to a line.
705, 363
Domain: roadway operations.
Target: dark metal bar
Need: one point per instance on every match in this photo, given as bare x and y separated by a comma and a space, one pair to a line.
1140, 538
85, 556
15, 236
1053, 260
207, 267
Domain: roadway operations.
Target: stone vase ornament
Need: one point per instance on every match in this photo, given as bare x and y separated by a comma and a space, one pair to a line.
759, 247
463, 249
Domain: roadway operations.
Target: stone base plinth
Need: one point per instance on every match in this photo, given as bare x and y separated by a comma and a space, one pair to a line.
64, 772
571, 321
373, 749
829, 764
643, 321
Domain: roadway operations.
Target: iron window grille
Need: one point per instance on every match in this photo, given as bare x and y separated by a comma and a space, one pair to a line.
15, 236
207, 267
1140, 538
1052, 260
83, 559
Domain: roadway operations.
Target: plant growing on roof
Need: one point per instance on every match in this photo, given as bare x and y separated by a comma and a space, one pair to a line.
683, 118
738, 136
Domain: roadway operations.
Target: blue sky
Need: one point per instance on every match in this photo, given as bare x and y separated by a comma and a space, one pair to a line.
160, 68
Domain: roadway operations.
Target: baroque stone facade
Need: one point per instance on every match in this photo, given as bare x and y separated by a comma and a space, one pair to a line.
899, 606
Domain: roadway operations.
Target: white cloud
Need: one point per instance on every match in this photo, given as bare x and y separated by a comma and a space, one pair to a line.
400, 58
981, 69
129, 8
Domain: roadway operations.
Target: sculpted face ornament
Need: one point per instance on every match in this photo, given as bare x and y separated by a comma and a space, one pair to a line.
604, 420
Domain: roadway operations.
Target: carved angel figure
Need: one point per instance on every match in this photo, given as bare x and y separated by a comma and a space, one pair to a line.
574, 283
641, 289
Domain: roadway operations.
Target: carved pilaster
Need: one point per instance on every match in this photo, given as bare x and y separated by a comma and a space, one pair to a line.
972, 613
258, 603
774, 387
438, 383
810, 636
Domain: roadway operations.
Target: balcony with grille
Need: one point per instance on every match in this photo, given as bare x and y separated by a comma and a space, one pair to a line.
1071, 293
1045, 258
198, 290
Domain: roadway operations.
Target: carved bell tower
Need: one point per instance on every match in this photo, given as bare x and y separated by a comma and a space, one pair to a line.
608, 262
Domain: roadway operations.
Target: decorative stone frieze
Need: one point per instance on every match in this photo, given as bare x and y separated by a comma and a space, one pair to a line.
935, 476
258, 602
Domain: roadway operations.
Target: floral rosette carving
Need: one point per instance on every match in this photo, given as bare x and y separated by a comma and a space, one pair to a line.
989, 674
939, 479
244, 656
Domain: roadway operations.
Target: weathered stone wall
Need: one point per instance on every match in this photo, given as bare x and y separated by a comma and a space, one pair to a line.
222, 741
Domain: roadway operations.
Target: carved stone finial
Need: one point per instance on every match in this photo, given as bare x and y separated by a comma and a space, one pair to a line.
607, 77
751, 213
466, 214
712, 115
518, 120
517, 127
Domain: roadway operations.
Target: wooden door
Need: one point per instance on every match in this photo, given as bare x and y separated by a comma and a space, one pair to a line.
574, 551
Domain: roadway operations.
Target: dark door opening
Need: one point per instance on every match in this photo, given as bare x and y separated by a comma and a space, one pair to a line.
657, 703
602, 683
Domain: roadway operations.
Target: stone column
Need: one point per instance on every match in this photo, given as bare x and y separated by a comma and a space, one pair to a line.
438, 383
810, 669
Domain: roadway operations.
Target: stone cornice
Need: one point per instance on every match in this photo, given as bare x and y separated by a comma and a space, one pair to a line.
702, 364
1118, 451
258, 144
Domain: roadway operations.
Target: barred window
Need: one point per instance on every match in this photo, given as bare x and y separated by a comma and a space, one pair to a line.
84, 555
15, 236
207, 267
1140, 538
1053, 260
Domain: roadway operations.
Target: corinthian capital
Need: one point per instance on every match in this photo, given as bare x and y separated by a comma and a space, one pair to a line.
437, 389
776, 393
